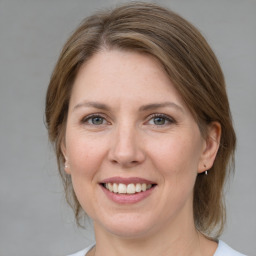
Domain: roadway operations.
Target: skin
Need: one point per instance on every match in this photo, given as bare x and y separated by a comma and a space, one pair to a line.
127, 140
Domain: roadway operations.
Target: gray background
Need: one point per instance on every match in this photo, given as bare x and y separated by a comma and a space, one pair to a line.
34, 218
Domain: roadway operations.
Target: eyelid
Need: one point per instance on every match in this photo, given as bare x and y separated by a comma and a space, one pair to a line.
170, 119
85, 119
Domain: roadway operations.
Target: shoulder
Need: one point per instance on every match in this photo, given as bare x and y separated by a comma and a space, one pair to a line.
82, 252
224, 250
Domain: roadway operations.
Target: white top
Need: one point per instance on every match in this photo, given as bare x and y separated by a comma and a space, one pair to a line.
222, 250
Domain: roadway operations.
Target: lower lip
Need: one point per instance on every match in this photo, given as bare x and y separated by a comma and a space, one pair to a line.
128, 198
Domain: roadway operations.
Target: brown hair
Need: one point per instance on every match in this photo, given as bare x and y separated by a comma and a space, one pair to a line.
193, 69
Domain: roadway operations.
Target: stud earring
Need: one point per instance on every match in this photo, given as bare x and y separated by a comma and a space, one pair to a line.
66, 165
206, 172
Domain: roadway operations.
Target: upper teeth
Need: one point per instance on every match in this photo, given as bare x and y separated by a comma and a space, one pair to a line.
127, 189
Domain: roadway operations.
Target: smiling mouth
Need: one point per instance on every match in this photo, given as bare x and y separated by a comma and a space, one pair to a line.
120, 188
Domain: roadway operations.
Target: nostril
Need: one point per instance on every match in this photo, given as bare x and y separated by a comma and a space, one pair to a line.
124, 163
114, 161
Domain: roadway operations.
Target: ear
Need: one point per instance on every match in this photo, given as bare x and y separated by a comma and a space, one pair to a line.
211, 146
63, 150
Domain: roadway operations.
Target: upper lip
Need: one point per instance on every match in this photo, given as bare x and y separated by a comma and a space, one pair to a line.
127, 181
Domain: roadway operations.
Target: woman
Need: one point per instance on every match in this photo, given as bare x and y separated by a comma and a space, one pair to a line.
138, 113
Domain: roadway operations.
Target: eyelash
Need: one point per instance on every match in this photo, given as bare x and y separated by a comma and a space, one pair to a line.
165, 117
90, 117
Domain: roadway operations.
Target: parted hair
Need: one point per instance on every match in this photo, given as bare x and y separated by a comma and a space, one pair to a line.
191, 66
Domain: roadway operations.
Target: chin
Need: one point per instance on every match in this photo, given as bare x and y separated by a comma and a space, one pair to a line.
128, 226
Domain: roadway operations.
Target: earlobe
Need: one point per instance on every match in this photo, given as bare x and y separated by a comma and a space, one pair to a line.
211, 147
66, 168
66, 164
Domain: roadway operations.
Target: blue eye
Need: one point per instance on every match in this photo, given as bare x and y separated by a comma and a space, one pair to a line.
160, 120
94, 120
97, 120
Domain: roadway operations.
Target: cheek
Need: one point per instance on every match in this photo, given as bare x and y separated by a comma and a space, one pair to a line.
83, 154
177, 155
84, 157
176, 160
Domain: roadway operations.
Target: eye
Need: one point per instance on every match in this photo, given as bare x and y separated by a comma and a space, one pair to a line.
97, 120
160, 120
94, 120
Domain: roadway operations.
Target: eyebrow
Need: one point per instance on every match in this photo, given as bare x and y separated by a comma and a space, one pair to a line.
92, 104
161, 105
143, 108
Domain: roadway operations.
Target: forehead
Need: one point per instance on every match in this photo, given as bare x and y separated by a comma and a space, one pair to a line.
117, 74
111, 65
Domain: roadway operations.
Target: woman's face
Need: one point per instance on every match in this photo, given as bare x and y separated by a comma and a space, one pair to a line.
128, 130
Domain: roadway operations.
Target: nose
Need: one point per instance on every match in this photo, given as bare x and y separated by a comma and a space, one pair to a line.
126, 147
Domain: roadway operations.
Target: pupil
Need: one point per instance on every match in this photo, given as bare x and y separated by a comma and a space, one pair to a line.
159, 120
97, 120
